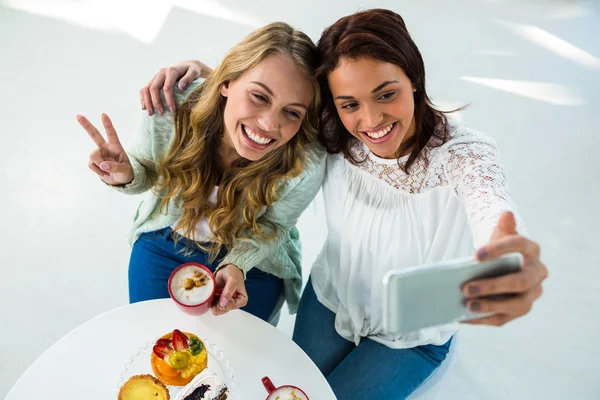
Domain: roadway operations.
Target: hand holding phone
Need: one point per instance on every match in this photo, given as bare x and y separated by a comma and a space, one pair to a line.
425, 296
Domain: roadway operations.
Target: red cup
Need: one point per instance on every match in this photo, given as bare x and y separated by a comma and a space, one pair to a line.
201, 308
274, 391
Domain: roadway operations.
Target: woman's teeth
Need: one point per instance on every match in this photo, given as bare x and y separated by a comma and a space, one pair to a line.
380, 133
255, 137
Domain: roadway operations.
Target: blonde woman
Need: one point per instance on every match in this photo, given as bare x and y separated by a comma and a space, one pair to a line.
230, 172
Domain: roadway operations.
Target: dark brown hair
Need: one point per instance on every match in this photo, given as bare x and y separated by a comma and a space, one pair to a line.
380, 35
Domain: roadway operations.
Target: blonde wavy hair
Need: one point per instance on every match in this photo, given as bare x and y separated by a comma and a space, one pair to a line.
191, 167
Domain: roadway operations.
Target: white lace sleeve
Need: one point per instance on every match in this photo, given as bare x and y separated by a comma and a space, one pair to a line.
475, 171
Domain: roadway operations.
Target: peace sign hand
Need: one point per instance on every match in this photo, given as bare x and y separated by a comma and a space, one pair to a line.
109, 161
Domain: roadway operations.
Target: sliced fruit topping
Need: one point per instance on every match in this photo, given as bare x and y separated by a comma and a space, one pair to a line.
180, 341
195, 346
165, 342
179, 359
165, 369
162, 351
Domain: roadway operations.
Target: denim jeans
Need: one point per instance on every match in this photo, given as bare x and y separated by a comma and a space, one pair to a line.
155, 255
370, 370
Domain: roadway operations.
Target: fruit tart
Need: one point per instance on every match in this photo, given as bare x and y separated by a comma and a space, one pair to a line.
178, 357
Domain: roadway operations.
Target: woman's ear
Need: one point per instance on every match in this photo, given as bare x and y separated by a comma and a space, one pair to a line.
224, 89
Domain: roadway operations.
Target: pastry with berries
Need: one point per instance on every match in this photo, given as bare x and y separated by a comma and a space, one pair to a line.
178, 357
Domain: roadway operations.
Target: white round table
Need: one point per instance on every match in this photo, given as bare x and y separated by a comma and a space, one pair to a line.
88, 361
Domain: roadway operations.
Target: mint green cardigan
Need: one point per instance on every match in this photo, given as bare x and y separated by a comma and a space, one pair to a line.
280, 256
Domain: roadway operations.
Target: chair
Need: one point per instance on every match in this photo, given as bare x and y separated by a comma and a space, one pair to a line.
274, 318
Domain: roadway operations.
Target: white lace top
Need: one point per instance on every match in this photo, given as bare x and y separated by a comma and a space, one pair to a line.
380, 218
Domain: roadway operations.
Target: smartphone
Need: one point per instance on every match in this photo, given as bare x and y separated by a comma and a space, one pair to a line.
425, 296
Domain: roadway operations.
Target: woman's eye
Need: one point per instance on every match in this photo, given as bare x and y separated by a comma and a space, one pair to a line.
387, 96
259, 97
349, 106
293, 114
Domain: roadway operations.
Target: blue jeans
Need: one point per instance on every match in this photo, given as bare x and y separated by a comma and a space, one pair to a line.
367, 371
155, 255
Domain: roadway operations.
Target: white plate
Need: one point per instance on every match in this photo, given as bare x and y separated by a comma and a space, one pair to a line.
218, 364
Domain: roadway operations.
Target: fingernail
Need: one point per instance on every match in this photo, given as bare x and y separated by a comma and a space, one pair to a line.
104, 166
475, 306
159, 111
182, 85
473, 290
172, 110
223, 302
150, 112
482, 254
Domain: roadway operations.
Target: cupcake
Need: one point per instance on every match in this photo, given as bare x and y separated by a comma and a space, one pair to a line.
205, 386
178, 357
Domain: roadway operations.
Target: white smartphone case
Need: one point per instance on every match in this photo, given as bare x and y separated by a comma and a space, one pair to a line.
425, 296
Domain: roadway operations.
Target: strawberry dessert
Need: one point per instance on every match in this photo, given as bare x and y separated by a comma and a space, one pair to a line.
178, 357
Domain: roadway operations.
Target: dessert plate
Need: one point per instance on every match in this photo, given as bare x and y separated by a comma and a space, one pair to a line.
139, 363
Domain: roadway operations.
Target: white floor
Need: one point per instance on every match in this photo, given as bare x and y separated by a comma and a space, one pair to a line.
530, 69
